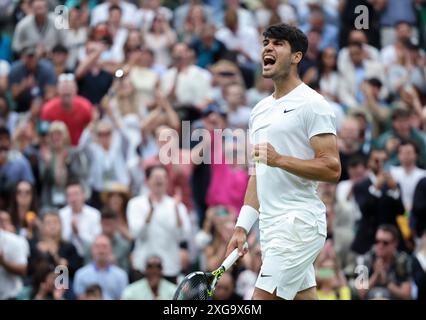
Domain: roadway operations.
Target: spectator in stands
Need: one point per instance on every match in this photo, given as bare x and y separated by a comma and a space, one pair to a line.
80, 222
153, 287
177, 162
274, 10
218, 227
8, 118
379, 199
76, 36
375, 106
326, 74
407, 174
238, 114
37, 29
419, 208
185, 83
331, 281
419, 269
370, 52
243, 41
226, 160
389, 269
148, 10
310, 60
402, 129
158, 223
144, 79
392, 15
31, 78
349, 142
23, 210
353, 75
43, 284
13, 259
14, 167
224, 72
92, 292
394, 48
225, 288
181, 12
107, 157
195, 21
207, 48
120, 246
75, 111
92, 78
263, 87
118, 33
160, 39
112, 279
100, 12
50, 247
58, 163
329, 33
404, 73
115, 198
346, 211
59, 57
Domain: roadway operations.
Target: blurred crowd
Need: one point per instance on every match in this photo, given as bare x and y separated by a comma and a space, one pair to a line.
89, 90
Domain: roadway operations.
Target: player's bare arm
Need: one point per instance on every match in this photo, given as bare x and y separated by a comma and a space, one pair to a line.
240, 234
325, 166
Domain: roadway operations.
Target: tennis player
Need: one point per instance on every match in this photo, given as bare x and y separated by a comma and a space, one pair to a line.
294, 136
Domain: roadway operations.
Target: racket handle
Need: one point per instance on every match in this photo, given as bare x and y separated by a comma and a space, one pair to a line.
232, 258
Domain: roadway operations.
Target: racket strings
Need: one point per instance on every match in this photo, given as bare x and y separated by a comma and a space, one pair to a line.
193, 287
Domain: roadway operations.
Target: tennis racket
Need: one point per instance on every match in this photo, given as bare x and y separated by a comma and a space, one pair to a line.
200, 285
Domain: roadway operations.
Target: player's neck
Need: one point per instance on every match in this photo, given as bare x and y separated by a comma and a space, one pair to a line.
285, 85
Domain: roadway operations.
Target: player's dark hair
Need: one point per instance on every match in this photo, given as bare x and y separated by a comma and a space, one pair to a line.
294, 36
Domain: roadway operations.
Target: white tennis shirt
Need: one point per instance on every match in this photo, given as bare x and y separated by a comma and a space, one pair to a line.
288, 124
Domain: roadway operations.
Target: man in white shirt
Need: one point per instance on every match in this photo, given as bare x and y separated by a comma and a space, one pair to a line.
370, 52
185, 83
407, 174
101, 11
14, 252
295, 145
80, 222
158, 223
244, 41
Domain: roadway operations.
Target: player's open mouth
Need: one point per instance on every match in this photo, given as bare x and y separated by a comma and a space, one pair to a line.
268, 60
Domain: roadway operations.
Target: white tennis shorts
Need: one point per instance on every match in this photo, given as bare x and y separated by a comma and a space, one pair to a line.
289, 249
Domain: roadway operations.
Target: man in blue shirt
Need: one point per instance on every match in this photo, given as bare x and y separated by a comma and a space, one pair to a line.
101, 271
14, 167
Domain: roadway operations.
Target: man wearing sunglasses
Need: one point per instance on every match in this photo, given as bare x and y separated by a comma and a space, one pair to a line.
153, 286
389, 273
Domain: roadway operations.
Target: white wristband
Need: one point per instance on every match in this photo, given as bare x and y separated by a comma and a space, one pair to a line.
247, 218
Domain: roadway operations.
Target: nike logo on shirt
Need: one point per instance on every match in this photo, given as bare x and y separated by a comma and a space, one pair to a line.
285, 111
265, 275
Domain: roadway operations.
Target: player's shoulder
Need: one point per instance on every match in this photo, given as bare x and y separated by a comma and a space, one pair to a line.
262, 104
315, 102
